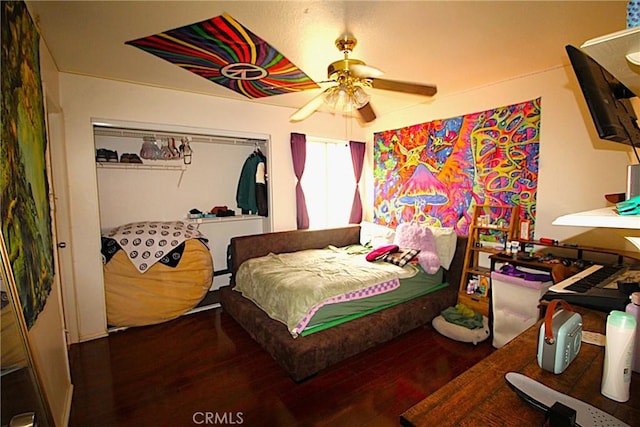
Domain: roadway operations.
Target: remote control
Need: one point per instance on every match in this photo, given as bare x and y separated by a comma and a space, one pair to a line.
543, 397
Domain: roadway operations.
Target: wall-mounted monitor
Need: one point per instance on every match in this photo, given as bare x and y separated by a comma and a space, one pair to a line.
607, 99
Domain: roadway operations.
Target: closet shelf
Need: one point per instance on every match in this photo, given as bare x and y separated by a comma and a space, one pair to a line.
103, 130
180, 167
224, 219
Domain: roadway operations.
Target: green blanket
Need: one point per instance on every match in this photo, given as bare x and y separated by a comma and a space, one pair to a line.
287, 286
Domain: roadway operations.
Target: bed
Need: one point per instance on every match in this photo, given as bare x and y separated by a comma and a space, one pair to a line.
149, 288
307, 354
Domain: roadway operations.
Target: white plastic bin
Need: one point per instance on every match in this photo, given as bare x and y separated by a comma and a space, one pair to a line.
515, 305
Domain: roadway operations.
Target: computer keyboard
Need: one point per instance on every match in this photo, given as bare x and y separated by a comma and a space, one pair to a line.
594, 276
594, 287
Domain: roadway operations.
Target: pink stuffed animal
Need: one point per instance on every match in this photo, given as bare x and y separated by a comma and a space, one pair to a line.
412, 235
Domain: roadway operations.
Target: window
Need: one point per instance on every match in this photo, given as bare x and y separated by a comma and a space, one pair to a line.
328, 182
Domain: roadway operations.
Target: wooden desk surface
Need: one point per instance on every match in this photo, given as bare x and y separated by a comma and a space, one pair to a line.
481, 396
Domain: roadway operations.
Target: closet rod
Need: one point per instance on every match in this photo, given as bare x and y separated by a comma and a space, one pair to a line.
139, 134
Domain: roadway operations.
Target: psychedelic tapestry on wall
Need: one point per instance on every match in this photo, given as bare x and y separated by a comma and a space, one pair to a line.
434, 173
26, 214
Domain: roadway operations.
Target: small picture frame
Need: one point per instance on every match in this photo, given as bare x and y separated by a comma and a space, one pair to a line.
524, 229
483, 286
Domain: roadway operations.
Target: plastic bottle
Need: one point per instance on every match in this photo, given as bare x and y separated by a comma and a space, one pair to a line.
618, 352
634, 309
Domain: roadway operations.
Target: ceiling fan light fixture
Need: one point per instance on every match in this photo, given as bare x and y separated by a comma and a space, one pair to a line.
334, 96
345, 97
360, 97
351, 77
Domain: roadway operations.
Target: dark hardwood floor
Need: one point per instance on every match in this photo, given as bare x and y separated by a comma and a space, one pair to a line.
204, 369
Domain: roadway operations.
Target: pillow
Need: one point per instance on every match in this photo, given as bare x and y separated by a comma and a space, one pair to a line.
381, 252
375, 235
446, 240
414, 235
402, 257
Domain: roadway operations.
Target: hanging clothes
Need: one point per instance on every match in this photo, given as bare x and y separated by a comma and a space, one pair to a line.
251, 194
261, 184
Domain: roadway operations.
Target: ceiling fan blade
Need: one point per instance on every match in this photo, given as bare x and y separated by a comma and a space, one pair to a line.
406, 87
365, 71
309, 108
366, 113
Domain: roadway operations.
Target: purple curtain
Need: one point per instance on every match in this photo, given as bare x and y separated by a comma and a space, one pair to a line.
299, 156
357, 159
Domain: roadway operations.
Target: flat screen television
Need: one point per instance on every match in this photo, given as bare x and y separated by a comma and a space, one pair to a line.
607, 99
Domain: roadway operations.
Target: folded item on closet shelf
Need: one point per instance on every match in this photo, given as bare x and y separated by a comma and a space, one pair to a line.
130, 158
222, 211
217, 209
195, 213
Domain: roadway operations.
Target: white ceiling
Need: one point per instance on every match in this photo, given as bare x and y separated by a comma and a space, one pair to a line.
456, 45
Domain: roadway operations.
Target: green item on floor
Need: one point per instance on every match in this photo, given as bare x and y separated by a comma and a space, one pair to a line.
463, 316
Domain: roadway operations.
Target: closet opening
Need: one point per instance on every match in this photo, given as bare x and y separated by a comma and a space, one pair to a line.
190, 178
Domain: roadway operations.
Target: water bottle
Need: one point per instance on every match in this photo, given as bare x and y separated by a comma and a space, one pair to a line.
634, 309
618, 352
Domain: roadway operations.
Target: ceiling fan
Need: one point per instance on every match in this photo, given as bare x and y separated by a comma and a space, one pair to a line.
352, 76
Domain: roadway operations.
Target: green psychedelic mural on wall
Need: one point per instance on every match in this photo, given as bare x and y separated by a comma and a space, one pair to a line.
24, 203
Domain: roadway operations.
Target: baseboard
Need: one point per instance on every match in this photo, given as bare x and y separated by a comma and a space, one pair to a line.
209, 302
202, 308
84, 338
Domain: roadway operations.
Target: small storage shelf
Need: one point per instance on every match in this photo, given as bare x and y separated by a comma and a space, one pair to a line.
485, 249
603, 217
501, 222
479, 270
476, 302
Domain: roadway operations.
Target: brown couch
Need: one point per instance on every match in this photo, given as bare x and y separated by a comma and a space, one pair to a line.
305, 356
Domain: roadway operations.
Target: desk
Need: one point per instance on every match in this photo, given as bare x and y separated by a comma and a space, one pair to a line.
481, 396
502, 258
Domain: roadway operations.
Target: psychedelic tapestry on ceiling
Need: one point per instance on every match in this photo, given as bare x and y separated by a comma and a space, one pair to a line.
434, 173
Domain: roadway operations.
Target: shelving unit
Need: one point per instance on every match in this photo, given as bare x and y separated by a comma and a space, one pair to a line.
625, 225
581, 249
145, 166
224, 219
602, 217
142, 166
485, 237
